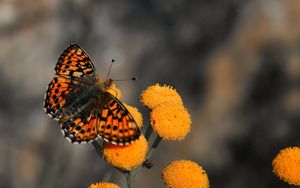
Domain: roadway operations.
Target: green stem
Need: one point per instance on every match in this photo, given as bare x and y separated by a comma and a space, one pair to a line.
130, 178
154, 146
149, 131
130, 175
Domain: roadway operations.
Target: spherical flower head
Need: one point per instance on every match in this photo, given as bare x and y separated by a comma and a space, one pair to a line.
156, 94
184, 174
115, 91
137, 116
286, 165
170, 121
104, 185
126, 157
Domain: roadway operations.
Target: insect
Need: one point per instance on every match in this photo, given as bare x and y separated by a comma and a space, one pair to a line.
79, 101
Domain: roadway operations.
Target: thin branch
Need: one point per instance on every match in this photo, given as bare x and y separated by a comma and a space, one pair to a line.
148, 132
130, 176
154, 146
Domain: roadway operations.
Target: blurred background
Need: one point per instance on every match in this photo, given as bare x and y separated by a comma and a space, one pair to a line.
236, 64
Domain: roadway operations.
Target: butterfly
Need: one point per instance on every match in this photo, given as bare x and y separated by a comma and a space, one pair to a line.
81, 103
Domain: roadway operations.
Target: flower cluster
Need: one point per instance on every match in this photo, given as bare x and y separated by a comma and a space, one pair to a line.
126, 157
156, 95
168, 118
171, 121
286, 165
104, 185
184, 174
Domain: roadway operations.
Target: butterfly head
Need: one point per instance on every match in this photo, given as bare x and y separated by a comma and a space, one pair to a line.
108, 83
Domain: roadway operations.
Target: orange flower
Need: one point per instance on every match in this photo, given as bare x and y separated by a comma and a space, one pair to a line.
184, 174
126, 157
104, 185
170, 121
286, 165
156, 94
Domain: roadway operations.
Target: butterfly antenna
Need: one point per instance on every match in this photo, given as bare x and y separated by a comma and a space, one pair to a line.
112, 61
133, 78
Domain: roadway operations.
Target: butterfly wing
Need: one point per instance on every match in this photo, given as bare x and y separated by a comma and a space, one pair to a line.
58, 95
82, 128
116, 124
68, 101
75, 62
75, 72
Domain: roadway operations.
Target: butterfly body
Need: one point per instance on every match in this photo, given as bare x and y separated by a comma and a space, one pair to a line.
80, 102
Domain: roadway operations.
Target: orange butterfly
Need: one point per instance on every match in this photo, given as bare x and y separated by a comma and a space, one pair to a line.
79, 101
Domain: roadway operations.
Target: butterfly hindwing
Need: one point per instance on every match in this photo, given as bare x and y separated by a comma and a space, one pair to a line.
75, 62
82, 128
116, 123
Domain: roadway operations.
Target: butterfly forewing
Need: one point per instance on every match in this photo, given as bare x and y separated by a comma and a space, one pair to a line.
75, 62
84, 109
